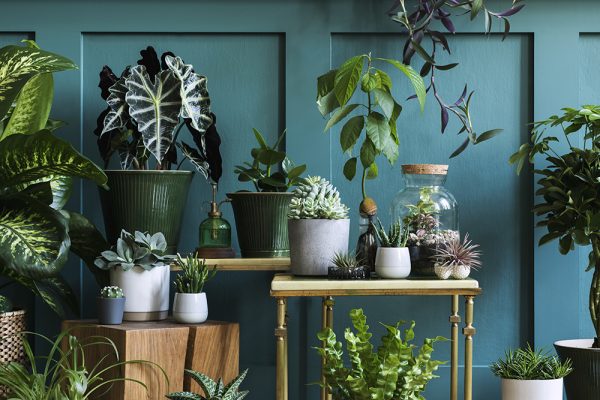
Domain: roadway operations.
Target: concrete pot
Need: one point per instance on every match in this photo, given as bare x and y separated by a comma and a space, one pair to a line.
190, 308
392, 262
584, 382
110, 311
513, 389
314, 243
147, 292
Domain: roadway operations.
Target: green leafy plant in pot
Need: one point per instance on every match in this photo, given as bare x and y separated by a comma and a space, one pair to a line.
139, 265
190, 305
261, 216
531, 374
393, 259
318, 226
148, 106
569, 209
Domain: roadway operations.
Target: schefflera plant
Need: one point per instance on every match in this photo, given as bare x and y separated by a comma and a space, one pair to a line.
316, 198
148, 105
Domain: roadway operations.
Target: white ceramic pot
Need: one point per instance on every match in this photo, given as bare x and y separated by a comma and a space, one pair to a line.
190, 308
147, 292
551, 389
392, 262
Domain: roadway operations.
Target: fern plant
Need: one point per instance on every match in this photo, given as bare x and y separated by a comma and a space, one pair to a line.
392, 371
212, 390
396, 236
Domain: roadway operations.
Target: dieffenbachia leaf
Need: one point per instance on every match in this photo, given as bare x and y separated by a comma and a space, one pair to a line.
58, 188
195, 158
195, 102
29, 158
118, 115
87, 242
34, 238
32, 107
155, 107
18, 64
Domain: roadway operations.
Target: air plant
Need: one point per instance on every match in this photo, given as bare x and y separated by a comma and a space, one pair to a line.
396, 236
347, 266
455, 258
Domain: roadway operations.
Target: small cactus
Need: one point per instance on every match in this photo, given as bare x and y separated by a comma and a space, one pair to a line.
316, 198
395, 237
111, 292
5, 305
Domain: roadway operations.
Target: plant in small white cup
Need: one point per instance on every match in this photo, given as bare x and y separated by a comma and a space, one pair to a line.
190, 305
531, 374
111, 305
138, 265
455, 259
393, 258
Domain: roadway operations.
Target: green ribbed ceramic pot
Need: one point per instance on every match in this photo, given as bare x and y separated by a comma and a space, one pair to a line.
584, 382
261, 223
146, 201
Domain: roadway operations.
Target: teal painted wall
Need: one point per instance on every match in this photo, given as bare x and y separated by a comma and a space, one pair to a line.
262, 59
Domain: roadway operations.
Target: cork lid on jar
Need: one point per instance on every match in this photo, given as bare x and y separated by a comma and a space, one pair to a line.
425, 169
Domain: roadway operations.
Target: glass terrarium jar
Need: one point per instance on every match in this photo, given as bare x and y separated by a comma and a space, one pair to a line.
429, 211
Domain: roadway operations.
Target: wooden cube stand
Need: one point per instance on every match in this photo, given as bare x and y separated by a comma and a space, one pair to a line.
211, 348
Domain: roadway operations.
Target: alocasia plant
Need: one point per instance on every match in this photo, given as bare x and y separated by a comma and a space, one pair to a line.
148, 105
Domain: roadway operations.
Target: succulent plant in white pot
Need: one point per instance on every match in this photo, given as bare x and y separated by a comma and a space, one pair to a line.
455, 259
190, 305
318, 226
393, 258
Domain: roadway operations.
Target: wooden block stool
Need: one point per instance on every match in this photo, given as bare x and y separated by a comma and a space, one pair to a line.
211, 348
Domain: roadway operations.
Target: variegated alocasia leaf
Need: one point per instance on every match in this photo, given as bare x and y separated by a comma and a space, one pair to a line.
195, 102
118, 115
195, 158
32, 107
18, 64
155, 107
34, 239
29, 158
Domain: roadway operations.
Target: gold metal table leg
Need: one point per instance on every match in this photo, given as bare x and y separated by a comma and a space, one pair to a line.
281, 379
326, 322
454, 321
469, 331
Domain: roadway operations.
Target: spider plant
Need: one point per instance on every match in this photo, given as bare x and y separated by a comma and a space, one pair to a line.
530, 364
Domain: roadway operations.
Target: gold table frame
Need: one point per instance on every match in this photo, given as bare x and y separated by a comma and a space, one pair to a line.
284, 286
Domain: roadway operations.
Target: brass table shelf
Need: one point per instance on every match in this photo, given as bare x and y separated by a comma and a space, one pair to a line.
284, 286
247, 264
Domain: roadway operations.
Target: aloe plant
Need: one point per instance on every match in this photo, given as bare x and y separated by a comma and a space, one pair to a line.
148, 105
212, 390
36, 172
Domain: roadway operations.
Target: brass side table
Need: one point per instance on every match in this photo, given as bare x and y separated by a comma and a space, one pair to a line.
284, 286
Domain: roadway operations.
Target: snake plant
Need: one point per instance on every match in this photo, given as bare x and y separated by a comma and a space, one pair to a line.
212, 390
36, 172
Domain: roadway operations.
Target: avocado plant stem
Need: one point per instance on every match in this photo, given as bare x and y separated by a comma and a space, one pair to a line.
364, 178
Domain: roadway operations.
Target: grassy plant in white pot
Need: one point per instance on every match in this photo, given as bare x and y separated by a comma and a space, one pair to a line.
190, 305
531, 374
318, 226
139, 266
393, 258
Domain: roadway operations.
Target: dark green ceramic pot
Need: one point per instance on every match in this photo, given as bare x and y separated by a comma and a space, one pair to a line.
261, 223
146, 201
584, 382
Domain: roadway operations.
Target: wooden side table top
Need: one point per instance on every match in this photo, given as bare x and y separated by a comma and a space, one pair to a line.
287, 285
281, 264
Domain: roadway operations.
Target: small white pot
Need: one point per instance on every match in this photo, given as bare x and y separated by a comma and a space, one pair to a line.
147, 292
392, 262
513, 389
190, 308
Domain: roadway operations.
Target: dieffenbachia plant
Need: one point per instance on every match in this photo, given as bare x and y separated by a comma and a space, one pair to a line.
419, 21
148, 105
377, 118
36, 171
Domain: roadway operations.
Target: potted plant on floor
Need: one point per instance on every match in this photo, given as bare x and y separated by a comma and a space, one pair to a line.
393, 259
569, 209
138, 264
111, 305
455, 259
393, 370
531, 374
318, 226
190, 305
212, 390
261, 216
148, 105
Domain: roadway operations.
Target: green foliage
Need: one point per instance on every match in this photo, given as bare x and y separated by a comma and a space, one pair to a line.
530, 364
65, 374
397, 236
421, 216
36, 171
347, 262
212, 390
111, 292
337, 87
5, 304
139, 250
569, 188
194, 274
392, 371
271, 170
316, 198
